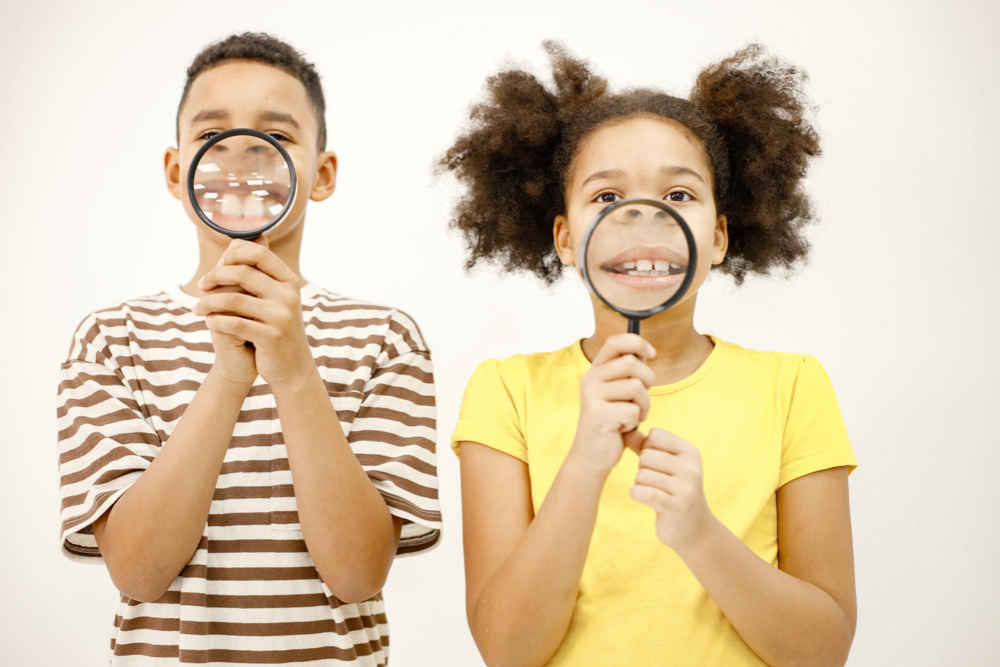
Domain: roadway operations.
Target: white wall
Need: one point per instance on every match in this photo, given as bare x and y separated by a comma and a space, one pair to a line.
898, 302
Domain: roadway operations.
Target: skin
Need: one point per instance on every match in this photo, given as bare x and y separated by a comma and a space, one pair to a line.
250, 291
801, 614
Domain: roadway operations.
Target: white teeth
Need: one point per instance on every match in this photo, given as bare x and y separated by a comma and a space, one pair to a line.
643, 265
253, 207
676, 267
661, 265
628, 265
232, 207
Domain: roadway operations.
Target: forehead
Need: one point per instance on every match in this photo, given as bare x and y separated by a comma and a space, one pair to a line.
246, 87
640, 145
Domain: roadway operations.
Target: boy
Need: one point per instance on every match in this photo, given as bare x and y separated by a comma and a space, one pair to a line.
179, 443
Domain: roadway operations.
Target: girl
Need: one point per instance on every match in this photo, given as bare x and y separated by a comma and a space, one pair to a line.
723, 536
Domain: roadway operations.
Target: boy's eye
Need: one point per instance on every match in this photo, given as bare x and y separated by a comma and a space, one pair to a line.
679, 196
205, 136
606, 198
279, 136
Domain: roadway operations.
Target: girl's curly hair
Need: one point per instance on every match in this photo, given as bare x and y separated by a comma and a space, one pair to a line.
747, 110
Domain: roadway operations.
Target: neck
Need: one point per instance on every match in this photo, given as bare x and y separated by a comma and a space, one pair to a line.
680, 349
211, 245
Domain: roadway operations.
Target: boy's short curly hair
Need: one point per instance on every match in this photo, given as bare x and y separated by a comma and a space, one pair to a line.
748, 111
261, 48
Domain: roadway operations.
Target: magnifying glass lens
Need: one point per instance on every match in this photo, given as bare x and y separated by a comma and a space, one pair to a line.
242, 183
637, 257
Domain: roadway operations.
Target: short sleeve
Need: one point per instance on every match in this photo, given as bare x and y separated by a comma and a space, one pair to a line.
104, 444
815, 437
394, 434
489, 414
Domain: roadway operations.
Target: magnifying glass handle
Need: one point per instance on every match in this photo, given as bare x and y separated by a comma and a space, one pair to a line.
633, 325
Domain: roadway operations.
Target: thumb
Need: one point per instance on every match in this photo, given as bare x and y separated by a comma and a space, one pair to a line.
262, 240
634, 440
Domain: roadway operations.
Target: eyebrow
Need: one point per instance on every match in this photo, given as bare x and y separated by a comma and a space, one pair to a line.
670, 171
267, 116
280, 117
210, 114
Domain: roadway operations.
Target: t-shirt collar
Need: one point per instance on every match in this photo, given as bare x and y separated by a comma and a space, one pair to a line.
713, 357
189, 300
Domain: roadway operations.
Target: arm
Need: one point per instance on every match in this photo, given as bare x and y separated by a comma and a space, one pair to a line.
347, 527
510, 556
150, 533
346, 524
801, 614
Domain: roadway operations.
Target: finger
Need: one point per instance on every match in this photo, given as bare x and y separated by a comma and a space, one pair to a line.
233, 303
255, 254
621, 416
657, 499
250, 278
629, 389
633, 440
660, 461
237, 327
624, 367
667, 442
657, 480
620, 344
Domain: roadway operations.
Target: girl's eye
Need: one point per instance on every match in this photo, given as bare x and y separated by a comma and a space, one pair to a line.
279, 136
678, 196
606, 198
205, 136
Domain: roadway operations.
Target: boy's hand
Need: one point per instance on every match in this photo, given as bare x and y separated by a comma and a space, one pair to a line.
269, 315
233, 358
614, 399
670, 481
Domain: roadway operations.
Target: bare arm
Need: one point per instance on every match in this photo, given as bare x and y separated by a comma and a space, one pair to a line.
805, 612
801, 614
151, 532
347, 526
510, 556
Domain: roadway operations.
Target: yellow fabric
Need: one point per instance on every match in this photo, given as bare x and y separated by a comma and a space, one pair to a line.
759, 419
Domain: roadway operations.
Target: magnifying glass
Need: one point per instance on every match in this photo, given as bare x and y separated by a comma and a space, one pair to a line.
639, 258
242, 183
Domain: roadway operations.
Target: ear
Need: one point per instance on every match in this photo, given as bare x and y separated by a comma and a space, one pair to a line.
326, 176
721, 241
564, 244
172, 172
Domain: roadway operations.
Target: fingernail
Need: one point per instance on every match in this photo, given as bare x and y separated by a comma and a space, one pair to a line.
201, 282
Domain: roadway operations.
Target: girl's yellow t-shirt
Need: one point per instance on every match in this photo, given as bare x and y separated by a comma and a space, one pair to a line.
759, 419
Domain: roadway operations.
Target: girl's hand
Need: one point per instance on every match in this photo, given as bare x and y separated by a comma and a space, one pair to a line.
614, 399
269, 314
670, 481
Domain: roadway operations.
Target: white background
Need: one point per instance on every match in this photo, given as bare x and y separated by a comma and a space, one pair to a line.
899, 301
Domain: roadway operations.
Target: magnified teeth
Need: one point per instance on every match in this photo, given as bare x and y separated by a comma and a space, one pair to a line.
628, 265
643, 265
253, 207
675, 267
231, 207
661, 265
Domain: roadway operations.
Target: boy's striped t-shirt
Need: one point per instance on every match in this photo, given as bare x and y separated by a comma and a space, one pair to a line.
251, 592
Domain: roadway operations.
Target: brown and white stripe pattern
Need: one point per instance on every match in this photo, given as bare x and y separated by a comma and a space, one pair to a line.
251, 593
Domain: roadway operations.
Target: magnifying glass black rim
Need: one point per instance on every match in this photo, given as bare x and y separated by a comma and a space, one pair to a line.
240, 131
688, 275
